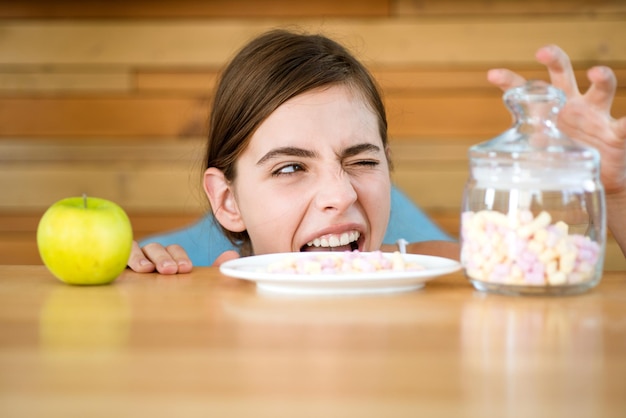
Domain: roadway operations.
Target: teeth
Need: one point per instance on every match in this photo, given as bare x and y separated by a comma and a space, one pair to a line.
335, 240
345, 239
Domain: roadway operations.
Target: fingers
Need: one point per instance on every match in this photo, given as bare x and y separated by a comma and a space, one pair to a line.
603, 80
504, 79
560, 69
558, 64
225, 256
166, 260
181, 259
138, 261
603, 86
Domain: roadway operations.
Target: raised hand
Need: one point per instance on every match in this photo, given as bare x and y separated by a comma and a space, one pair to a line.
586, 117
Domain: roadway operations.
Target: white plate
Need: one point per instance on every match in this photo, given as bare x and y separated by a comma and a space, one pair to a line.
254, 268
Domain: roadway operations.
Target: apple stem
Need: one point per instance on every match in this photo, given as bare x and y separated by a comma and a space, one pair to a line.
85, 200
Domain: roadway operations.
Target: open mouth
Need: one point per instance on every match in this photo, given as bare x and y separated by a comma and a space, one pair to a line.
348, 241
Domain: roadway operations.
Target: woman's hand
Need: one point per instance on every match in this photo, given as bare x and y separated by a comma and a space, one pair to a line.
172, 259
165, 260
586, 117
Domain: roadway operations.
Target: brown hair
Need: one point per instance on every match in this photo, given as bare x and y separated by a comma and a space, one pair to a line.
268, 71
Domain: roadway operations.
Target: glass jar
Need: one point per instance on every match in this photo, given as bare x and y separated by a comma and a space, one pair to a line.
533, 218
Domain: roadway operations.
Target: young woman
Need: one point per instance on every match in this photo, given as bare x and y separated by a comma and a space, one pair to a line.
298, 158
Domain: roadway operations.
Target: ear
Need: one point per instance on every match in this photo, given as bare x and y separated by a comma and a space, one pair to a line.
389, 159
222, 199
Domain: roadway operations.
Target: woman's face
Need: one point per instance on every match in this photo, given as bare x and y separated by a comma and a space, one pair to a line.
315, 176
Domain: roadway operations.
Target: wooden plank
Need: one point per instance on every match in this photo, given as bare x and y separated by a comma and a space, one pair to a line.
36, 186
448, 221
391, 80
34, 81
22, 223
435, 115
88, 116
411, 153
103, 150
20, 249
487, 42
449, 116
192, 9
170, 80
462, 116
433, 189
137, 9
419, 79
144, 187
432, 173
385, 42
499, 8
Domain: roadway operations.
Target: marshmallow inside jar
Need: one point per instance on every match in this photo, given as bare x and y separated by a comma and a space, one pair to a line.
533, 219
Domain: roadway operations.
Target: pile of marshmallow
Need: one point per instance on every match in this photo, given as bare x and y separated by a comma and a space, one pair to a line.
346, 262
523, 249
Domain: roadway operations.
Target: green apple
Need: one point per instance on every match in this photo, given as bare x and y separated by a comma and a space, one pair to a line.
85, 240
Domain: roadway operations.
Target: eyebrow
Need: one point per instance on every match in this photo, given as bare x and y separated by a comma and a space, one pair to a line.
286, 151
359, 149
304, 153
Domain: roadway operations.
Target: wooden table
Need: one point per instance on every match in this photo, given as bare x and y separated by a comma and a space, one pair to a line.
202, 344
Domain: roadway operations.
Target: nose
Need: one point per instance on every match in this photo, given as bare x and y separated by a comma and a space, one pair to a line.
335, 192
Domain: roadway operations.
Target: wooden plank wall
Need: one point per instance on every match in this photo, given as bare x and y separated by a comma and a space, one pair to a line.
111, 98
